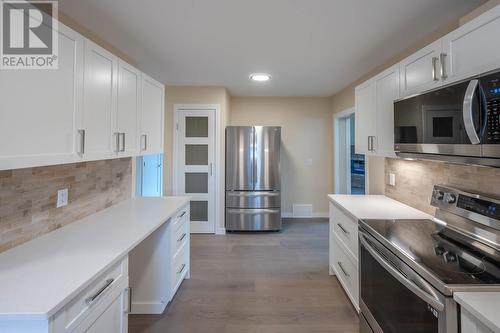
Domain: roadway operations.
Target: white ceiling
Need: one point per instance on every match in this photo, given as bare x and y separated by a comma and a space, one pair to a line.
310, 47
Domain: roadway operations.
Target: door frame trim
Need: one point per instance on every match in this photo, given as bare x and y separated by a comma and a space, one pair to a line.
337, 117
218, 229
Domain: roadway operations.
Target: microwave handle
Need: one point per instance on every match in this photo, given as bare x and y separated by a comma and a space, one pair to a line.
412, 286
467, 112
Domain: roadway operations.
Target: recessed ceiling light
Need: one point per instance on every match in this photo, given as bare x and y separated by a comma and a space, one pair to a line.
260, 77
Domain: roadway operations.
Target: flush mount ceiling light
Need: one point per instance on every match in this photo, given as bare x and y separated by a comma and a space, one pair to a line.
260, 77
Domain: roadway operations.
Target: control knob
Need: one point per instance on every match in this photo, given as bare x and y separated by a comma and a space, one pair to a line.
449, 257
450, 198
439, 195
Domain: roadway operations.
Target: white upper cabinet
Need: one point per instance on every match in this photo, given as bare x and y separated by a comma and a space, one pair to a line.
473, 48
126, 136
39, 109
99, 102
374, 117
365, 118
153, 108
421, 71
386, 92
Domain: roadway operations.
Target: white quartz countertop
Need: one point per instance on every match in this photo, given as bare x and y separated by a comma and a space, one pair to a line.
482, 305
375, 207
40, 276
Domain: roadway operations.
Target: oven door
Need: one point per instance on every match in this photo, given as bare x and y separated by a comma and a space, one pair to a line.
396, 299
448, 121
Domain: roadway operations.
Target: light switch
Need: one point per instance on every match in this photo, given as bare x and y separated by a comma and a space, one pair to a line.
392, 179
62, 198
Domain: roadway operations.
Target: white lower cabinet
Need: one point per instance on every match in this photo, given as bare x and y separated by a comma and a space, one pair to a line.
343, 256
470, 324
101, 307
159, 265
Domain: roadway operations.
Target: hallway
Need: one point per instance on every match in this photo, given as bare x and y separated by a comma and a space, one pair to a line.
258, 283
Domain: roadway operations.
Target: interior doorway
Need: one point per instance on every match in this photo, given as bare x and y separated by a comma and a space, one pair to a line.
149, 181
349, 167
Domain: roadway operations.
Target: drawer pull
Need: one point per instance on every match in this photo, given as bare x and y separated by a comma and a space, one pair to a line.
181, 269
92, 299
182, 237
341, 227
342, 269
180, 216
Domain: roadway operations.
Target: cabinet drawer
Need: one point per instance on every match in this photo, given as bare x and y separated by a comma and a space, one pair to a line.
68, 318
179, 269
181, 217
180, 236
345, 228
346, 270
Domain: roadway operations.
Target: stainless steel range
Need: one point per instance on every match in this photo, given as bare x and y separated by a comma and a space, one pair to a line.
409, 269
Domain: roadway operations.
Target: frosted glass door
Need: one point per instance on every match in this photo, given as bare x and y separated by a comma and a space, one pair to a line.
195, 140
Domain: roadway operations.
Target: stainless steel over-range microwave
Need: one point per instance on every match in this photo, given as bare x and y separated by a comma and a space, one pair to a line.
457, 123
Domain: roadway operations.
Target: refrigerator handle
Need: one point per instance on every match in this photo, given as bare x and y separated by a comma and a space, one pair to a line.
254, 159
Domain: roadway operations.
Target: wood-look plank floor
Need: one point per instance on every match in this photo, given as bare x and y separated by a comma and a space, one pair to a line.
258, 283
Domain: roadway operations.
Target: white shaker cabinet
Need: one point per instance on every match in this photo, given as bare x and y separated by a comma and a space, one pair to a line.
99, 103
152, 111
39, 109
422, 70
473, 49
126, 135
365, 118
470, 324
374, 105
386, 92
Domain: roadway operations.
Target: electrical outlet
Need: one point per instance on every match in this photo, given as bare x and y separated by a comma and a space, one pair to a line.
62, 198
392, 179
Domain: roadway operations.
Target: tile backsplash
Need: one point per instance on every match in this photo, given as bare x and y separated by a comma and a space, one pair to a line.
28, 196
415, 180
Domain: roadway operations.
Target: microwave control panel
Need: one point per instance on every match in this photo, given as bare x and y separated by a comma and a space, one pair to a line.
493, 122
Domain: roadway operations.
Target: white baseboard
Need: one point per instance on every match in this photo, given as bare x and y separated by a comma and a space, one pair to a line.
289, 215
148, 308
220, 231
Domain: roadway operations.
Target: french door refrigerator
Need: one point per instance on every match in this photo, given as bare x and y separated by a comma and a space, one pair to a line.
253, 184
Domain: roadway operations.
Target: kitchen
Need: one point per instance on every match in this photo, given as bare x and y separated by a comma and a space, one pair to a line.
189, 191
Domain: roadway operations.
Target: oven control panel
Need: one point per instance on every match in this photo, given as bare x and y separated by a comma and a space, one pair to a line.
476, 207
493, 121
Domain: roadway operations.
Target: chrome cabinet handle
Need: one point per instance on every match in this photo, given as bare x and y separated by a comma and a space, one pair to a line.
182, 237
342, 269
123, 142
182, 214
181, 269
128, 309
211, 171
341, 227
81, 132
434, 71
442, 57
93, 298
412, 286
117, 142
467, 112
369, 149
145, 146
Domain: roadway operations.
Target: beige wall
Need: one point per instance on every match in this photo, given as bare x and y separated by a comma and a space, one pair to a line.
306, 144
195, 95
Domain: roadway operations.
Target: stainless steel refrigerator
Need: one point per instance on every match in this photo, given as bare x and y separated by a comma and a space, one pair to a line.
253, 184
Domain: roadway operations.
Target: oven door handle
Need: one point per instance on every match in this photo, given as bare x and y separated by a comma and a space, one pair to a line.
467, 111
412, 286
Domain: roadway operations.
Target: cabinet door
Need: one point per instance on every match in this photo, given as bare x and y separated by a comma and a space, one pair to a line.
40, 109
127, 116
386, 92
153, 108
99, 101
421, 70
473, 49
365, 117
